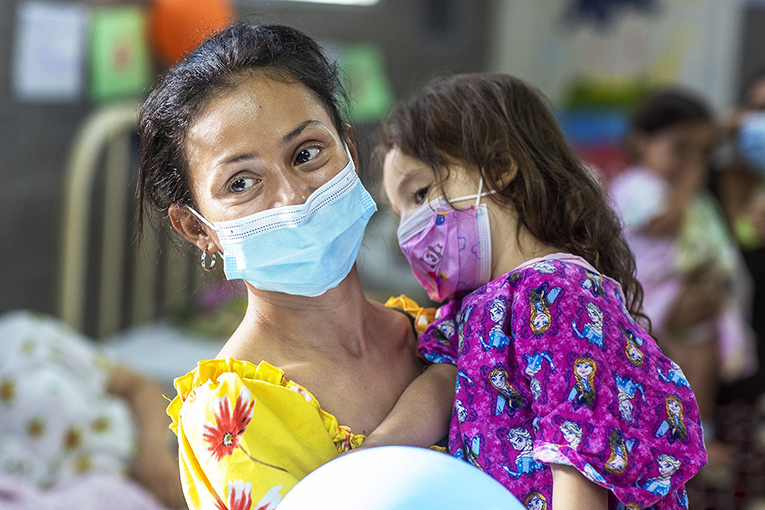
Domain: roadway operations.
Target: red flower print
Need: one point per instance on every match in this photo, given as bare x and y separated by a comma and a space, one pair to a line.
241, 501
224, 437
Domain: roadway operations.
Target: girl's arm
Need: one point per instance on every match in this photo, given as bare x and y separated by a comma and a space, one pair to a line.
421, 415
572, 491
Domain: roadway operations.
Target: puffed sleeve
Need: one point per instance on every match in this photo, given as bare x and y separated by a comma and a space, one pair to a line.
436, 329
245, 433
606, 400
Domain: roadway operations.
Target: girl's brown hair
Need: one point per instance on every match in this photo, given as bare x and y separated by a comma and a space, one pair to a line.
497, 123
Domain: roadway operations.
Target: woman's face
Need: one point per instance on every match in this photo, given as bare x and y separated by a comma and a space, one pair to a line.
677, 151
260, 145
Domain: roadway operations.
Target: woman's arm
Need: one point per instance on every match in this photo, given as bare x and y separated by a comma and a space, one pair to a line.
572, 491
421, 415
155, 466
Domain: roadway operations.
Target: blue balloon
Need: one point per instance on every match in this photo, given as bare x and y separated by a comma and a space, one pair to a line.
751, 141
399, 478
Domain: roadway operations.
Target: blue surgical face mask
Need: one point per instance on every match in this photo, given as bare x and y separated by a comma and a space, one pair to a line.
303, 249
751, 141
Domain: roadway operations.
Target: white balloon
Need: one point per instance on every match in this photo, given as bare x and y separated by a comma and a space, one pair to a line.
399, 478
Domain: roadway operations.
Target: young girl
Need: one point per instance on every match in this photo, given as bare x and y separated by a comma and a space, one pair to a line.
692, 272
559, 395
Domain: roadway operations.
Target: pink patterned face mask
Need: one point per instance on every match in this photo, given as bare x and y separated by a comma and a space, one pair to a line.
449, 249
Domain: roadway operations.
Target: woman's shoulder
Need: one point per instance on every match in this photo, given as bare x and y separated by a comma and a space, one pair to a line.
236, 421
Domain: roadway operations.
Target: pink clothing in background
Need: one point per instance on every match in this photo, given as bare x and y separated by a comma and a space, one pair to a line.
663, 263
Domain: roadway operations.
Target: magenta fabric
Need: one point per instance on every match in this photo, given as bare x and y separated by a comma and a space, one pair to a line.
553, 369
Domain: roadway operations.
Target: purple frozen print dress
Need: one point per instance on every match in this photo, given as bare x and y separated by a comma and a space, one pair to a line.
553, 369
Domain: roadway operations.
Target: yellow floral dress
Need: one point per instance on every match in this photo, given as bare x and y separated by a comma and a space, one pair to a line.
247, 434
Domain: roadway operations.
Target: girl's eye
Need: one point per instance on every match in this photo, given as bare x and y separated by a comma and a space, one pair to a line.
242, 184
307, 154
420, 195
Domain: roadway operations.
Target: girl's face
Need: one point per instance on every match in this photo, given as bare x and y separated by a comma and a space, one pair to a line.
410, 183
677, 151
260, 145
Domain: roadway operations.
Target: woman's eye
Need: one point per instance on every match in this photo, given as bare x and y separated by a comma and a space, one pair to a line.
242, 184
306, 155
420, 195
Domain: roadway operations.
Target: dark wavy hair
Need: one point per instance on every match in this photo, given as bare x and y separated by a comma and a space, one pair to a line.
496, 123
218, 64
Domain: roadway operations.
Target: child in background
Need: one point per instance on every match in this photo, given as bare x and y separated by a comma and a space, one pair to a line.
561, 395
696, 286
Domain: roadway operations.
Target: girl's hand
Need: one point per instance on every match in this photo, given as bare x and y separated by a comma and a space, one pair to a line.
572, 491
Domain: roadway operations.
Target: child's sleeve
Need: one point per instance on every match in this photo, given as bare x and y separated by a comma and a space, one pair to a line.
606, 400
436, 329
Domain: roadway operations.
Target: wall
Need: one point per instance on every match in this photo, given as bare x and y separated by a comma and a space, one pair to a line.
695, 43
419, 38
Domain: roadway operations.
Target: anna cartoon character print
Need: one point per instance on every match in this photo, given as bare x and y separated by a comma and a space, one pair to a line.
540, 299
583, 392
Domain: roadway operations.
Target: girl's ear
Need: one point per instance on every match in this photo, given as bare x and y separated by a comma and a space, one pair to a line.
504, 178
189, 226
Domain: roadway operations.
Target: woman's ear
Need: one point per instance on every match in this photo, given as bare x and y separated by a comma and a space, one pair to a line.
352, 147
189, 226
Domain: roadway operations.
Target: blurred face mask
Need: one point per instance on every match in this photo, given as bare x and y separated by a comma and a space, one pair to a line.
751, 141
303, 249
449, 249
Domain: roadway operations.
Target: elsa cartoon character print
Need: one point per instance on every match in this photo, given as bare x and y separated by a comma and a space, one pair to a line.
521, 440
592, 330
497, 338
627, 389
660, 485
533, 367
572, 433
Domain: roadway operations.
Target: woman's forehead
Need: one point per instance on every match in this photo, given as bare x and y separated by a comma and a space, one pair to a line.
260, 105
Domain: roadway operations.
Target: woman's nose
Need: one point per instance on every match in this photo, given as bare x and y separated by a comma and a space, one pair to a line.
291, 189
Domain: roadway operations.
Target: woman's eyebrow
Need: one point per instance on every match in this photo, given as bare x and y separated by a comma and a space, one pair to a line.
299, 129
284, 141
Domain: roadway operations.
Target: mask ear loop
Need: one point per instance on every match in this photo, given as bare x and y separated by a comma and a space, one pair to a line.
480, 189
201, 218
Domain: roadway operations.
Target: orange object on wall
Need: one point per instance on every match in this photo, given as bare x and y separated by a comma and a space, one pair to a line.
176, 27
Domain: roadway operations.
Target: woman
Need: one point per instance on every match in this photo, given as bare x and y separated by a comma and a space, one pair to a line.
245, 150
